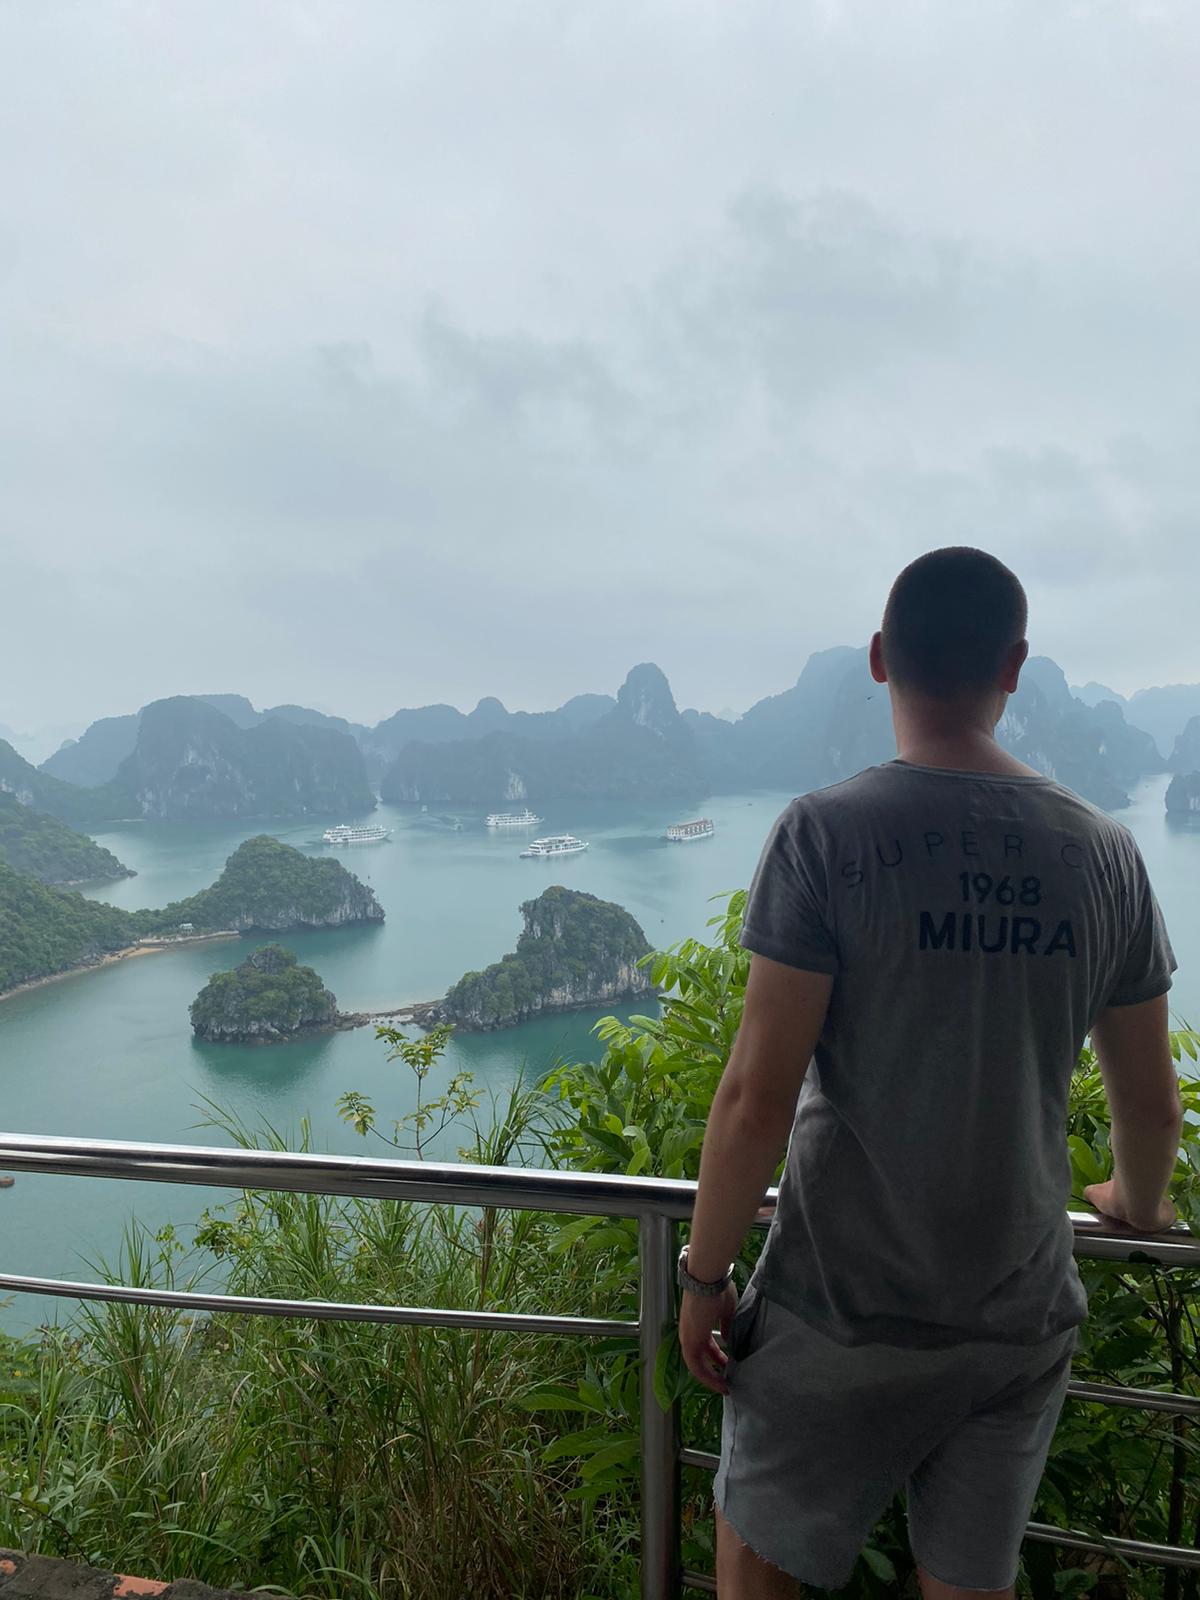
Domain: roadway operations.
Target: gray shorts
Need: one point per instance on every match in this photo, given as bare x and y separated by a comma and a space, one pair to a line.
818, 1438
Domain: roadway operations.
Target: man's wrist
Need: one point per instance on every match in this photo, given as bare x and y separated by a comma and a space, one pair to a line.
705, 1281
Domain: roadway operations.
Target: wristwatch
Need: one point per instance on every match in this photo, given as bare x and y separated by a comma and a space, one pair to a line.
697, 1285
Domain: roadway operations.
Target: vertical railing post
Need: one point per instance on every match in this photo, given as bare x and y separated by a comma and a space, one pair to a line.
659, 1428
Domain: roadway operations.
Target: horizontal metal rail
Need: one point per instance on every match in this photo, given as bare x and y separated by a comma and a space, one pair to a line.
1158, 1555
655, 1203
322, 1310
452, 1183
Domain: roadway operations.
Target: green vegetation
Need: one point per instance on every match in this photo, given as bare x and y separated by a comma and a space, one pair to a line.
44, 930
336, 1460
270, 885
81, 808
48, 850
268, 997
575, 950
264, 885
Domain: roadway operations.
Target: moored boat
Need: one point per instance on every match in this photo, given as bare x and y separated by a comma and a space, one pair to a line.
682, 832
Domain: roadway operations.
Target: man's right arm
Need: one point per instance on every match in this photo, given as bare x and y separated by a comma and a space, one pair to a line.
1133, 1049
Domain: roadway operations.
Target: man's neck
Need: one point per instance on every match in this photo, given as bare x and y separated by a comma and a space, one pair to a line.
933, 737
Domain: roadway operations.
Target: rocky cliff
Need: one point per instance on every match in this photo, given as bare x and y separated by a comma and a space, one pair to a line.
1183, 794
1185, 757
267, 999
1090, 749
575, 950
192, 761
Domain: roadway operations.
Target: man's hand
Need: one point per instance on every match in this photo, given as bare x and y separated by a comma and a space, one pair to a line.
698, 1316
1107, 1198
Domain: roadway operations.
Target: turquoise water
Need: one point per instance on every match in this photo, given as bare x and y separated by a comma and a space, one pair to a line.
109, 1053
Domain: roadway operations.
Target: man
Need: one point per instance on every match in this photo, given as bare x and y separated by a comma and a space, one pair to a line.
937, 936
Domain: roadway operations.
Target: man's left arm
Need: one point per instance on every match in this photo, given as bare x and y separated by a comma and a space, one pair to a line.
748, 1128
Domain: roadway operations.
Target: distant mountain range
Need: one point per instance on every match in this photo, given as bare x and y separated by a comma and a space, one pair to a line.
216, 755
190, 759
1162, 712
638, 748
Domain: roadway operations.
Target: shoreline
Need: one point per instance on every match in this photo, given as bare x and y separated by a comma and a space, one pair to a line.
416, 1011
129, 952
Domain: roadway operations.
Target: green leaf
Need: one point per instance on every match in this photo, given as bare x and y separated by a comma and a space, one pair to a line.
879, 1564
613, 1455
553, 1397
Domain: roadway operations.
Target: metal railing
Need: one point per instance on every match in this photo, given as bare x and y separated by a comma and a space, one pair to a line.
656, 1204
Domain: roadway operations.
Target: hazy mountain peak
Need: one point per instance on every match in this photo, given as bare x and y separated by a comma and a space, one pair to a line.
1092, 693
491, 712
1049, 677
645, 698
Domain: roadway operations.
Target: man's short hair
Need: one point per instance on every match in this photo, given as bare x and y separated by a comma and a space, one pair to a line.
950, 621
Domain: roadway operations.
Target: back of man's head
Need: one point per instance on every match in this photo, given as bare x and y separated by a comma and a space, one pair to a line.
951, 624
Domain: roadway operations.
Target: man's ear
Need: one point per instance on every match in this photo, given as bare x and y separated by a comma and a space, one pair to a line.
875, 653
1015, 660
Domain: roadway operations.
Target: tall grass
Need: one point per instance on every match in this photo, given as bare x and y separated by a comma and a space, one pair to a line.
316, 1458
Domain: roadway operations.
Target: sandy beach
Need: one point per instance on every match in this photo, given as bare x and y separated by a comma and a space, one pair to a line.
144, 947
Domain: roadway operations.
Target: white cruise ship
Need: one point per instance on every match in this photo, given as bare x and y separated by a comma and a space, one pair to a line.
373, 833
681, 832
513, 819
557, 844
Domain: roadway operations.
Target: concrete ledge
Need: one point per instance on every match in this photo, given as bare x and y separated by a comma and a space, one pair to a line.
25, 1577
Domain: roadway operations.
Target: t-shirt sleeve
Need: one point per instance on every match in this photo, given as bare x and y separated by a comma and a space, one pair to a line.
786, 916
1144, 971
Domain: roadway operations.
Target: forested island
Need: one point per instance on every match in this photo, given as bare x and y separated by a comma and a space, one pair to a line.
270, 997
265, 885
575, 950
269, 886
46, 849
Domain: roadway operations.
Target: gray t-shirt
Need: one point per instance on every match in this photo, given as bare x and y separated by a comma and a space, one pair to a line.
975, 923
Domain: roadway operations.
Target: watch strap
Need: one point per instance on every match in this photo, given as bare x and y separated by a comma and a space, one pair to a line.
699, 1285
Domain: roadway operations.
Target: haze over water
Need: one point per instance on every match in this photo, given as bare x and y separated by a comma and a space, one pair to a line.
109, 1053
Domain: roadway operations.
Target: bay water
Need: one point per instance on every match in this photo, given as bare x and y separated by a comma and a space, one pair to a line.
109, 1053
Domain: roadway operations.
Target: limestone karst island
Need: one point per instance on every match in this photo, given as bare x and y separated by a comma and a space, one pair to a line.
575, 950
268, 998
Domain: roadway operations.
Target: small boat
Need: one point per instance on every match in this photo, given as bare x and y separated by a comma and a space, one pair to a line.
372, 833
556, 844
682, 832
514, 819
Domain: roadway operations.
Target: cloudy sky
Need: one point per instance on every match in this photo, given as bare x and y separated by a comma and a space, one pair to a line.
367, 354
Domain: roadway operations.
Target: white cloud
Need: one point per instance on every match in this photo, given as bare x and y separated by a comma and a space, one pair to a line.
368, 355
